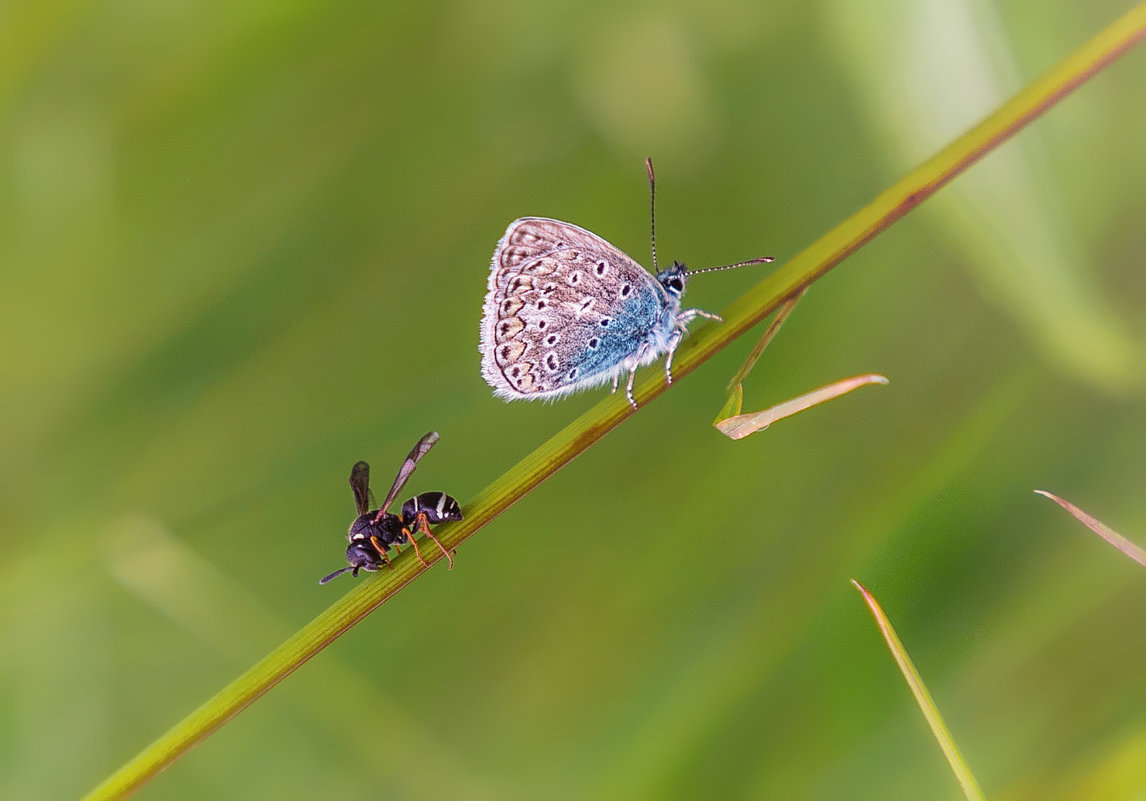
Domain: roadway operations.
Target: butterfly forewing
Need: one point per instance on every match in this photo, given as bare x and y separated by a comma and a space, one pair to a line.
420, 450
529, 237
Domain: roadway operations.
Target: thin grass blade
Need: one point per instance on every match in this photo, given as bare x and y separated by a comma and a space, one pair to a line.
923, 698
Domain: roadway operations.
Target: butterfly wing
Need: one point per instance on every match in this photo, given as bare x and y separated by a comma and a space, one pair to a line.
565, 310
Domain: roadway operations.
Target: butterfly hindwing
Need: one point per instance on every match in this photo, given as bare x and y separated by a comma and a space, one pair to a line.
565, 310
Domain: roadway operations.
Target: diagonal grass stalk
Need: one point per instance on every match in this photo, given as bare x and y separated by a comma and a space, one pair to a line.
806, 267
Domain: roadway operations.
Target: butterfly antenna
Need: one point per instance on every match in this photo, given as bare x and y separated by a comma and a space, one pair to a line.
652, 210
763, 260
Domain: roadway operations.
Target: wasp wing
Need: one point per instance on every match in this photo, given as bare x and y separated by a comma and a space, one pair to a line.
360, 486
420, 450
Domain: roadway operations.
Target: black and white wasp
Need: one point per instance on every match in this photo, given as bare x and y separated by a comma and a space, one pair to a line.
375, 531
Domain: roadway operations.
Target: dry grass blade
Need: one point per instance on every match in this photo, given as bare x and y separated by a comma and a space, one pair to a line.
1127, 547
741, 425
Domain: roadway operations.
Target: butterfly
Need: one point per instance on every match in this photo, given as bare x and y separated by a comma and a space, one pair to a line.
565, 310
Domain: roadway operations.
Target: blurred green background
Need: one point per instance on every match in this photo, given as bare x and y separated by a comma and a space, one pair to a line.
244, 245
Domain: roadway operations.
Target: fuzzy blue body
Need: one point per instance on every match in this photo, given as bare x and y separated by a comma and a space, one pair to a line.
648, 316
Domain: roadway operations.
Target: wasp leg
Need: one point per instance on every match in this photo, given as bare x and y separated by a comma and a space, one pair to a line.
410, 535
381, 549
422, 526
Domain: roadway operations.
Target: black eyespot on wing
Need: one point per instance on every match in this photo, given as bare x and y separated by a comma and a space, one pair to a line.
594, 342
604, 323
602, 267
625, 290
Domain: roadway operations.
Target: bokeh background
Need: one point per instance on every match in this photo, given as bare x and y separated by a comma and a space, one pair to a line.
244, 245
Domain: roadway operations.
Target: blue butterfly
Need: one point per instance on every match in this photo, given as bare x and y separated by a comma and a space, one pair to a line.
567, 311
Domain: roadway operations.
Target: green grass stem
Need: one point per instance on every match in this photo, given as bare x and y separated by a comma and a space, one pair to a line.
923, 699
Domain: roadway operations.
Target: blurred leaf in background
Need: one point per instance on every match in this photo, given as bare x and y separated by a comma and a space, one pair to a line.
244, 246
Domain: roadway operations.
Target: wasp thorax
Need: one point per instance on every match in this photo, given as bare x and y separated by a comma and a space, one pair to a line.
364, 527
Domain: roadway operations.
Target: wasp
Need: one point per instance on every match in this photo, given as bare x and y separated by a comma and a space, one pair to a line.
376, 531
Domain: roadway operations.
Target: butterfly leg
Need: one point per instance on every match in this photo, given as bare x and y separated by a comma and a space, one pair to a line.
673, 344
616, 380
642, 351
688, 315
629, 387
685, 318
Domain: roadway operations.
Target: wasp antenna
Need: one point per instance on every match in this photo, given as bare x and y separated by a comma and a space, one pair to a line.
762, 260
334, 575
